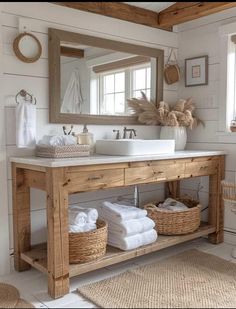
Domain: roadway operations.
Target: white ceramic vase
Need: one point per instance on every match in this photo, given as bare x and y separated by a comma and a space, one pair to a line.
179, 134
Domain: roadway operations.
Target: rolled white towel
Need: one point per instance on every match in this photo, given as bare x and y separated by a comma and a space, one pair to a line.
69, 140
131, 227
117, 212
132, 242
80, 229
77, 218
57, 140
92, 213
52, 140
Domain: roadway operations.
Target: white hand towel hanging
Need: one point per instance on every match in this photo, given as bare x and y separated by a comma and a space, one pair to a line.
25, 125
73, 100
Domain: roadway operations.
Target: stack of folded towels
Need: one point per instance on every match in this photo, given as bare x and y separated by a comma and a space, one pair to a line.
82, 219
128, 226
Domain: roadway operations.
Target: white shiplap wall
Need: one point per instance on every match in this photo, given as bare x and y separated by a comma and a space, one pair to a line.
37, 17
4, 229
196, 38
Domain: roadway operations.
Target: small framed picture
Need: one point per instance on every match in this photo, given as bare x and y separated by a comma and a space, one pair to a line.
196, 71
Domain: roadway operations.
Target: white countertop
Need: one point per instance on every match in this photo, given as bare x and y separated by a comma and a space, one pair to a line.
103, 159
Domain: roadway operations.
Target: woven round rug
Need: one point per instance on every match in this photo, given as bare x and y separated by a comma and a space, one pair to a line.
9, 296
23, 304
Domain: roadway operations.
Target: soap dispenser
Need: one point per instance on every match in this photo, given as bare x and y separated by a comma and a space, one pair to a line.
86, 138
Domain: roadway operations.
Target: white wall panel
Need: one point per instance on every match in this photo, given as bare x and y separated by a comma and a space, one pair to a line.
4, 228
201, 37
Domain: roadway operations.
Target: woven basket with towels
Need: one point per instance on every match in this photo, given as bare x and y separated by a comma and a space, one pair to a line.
175, 222
88, 246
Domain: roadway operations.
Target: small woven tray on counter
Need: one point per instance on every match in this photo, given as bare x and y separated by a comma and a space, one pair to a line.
68, 151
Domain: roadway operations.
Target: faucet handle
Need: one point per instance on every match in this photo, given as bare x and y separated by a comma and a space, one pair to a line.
124, 132
117, 133
132, 131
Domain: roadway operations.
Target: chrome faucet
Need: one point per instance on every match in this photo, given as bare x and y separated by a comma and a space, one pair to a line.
131, 134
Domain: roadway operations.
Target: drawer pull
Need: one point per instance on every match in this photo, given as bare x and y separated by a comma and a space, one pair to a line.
95, 178
203, 167
157, 173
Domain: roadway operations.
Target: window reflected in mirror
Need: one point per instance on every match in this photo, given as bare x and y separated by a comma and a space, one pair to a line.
99, 81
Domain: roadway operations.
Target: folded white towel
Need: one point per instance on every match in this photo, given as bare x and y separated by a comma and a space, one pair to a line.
57, 140
77, 218
85, 228
172, 205
117, 212
131, 227
132, 242
25, 125
92, 213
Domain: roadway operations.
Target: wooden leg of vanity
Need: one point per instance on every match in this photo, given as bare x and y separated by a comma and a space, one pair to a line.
58, 242
216, 204
172, 188
21, 217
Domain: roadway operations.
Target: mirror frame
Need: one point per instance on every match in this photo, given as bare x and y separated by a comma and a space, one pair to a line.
55, 38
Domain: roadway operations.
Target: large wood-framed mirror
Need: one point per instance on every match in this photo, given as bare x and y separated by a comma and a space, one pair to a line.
91, 78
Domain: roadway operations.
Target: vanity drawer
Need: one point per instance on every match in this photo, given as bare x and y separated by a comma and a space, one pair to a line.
194, 169
93, 180
152, 172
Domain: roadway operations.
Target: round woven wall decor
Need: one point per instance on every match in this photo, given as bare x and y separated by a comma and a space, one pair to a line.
22, 42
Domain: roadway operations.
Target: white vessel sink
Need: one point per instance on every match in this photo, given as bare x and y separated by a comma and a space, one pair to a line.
127, 147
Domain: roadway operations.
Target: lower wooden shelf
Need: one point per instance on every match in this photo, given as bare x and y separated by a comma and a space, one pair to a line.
37, 256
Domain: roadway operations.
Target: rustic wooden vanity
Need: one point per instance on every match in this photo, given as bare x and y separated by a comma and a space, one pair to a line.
61, 177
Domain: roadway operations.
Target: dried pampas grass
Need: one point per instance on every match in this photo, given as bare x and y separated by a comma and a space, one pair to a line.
179, 115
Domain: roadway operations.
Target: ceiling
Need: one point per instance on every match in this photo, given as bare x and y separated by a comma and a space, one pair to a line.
152, 6
161, 15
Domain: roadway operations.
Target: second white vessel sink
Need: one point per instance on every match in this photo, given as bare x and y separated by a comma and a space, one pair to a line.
127, 147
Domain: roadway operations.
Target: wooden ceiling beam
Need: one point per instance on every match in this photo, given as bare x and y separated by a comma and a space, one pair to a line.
119, 10
72, 52
181, 12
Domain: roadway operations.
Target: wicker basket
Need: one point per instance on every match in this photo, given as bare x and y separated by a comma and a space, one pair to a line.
175, 223
69, 151
88, 246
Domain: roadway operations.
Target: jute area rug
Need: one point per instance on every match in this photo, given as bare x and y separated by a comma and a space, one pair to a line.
192, 279
10, 297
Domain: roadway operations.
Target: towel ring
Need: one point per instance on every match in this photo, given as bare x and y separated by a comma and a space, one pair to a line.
27, 97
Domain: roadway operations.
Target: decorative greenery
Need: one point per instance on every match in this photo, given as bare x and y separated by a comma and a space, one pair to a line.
181, 114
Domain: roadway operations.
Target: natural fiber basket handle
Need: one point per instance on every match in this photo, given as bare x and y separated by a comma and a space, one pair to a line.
171, 52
